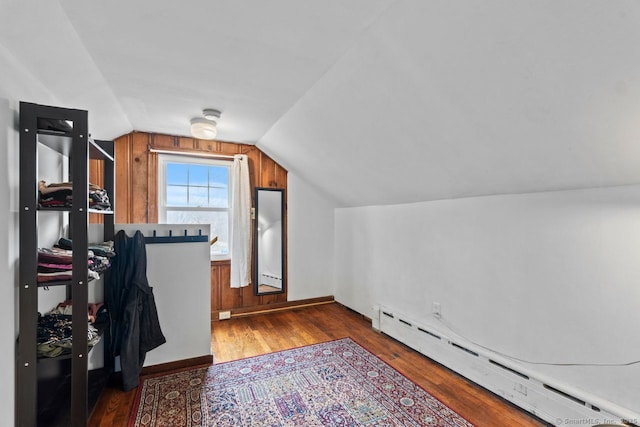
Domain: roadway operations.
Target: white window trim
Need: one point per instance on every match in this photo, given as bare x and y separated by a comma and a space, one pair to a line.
163, 159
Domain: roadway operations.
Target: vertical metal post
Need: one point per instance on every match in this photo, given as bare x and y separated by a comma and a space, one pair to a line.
108, 234
80, 229
26, 383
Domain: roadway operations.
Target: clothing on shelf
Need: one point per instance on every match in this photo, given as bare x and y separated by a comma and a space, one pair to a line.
96, 312
99, 255
55, 264
98, 198
55, 336
55, 255
55, 194
135, 328
61, 195
104, 249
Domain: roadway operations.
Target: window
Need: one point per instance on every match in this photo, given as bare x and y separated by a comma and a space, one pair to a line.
194, 190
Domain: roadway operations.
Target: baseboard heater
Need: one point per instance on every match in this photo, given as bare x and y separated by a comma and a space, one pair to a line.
546, 398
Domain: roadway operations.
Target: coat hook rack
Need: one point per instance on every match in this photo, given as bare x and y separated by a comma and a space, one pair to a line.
185, 238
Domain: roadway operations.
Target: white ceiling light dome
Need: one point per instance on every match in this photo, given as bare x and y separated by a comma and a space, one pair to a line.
205, 127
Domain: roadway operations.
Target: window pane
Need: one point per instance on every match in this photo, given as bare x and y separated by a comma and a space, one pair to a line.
198, 175
218, 176
198, 183
176, 174
176, 195
219, 226
219, 197
198, 196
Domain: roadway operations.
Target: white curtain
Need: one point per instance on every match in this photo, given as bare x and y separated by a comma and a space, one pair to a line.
240, 223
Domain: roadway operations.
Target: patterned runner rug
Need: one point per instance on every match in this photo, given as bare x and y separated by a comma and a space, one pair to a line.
337, 383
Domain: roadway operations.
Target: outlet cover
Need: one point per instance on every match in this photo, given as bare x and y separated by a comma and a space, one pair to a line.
224, 315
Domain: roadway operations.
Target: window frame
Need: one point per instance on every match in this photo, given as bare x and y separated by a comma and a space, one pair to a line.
163, 159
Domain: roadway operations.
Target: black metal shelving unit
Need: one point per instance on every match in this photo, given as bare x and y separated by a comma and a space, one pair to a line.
67, 396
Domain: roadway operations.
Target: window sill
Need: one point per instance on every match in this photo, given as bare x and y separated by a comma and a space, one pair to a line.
221, 261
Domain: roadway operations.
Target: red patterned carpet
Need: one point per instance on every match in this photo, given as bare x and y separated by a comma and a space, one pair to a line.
337, 383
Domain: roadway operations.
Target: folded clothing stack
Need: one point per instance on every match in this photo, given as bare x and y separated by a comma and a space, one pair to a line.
55, 329
55, 195
98, 198
61, 195
55, 264
99, 255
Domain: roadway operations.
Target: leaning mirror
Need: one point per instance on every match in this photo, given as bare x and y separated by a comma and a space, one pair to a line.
269, 237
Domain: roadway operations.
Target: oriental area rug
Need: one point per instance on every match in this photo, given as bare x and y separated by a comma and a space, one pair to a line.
337, 383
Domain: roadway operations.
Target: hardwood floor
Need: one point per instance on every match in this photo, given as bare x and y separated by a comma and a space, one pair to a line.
253, 335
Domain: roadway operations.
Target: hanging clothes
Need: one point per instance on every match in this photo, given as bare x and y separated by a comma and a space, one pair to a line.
135, 328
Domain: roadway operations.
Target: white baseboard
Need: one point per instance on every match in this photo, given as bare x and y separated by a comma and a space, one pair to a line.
546, 398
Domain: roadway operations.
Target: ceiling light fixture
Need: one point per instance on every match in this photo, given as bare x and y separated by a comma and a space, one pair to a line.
205, 127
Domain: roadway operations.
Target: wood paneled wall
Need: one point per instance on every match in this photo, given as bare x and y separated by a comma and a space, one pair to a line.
136, 198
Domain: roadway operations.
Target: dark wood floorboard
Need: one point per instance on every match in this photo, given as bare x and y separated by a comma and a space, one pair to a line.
253, 335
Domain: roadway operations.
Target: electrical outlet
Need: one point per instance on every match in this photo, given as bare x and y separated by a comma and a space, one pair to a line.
437, 313
223, 315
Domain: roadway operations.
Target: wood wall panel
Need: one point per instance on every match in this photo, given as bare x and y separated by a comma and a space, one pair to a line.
229, 297
165, 141
280, 176
249, 297
215, 288
188, 144
270, 299
152, 188
253, 157
123, 174
137, 198
267, 171
140, 178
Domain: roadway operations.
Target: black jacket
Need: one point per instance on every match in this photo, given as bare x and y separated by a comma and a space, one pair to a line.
135, 328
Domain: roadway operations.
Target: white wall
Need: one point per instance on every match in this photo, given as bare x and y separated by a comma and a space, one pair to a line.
310, 240
8, 260
543, 277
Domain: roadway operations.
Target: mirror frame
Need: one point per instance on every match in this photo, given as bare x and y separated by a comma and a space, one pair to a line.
256, 255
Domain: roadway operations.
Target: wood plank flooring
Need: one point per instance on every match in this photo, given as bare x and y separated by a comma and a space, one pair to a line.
253, 335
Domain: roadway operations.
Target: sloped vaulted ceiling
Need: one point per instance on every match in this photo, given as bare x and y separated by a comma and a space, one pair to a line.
373, 101
443, 99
